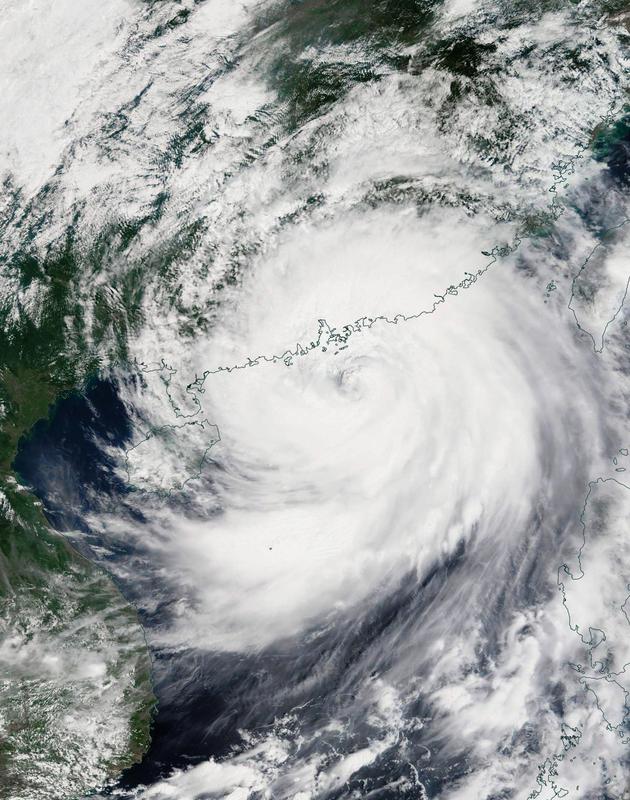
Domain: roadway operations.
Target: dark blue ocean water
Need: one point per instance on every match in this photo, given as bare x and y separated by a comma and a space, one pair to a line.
205, 698
64, 461
63, 458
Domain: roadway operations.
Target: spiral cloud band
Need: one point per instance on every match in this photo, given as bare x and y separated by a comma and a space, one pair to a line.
339, 474
396, 451
341, 289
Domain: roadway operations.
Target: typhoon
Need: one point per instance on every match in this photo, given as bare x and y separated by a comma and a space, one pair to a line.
314, 400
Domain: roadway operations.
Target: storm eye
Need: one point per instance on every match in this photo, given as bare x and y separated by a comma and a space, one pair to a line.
324, 304
347, 380
351, 380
